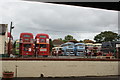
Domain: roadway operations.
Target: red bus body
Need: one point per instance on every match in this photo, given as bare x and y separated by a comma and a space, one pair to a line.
42, 45
26, 44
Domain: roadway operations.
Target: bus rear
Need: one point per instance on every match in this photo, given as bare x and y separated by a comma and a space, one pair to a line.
80, 49
42, 45
57, 51
26, 44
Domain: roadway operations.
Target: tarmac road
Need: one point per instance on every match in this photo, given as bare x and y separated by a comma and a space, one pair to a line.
70, 78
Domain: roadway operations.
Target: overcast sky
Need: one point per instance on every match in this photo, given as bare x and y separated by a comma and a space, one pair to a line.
57, 20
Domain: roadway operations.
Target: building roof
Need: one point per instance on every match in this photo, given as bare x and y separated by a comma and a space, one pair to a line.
57, 42
74, 41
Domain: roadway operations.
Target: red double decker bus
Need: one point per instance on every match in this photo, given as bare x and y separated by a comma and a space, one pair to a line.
26, 44
42, 45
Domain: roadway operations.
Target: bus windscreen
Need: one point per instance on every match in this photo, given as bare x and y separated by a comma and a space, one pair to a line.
42, 36
26, 36
43, 46
27, 45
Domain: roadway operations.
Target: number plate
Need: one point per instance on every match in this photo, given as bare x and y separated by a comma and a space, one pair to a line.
43, 49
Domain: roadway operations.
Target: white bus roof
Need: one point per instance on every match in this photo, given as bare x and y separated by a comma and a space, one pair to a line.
57, 47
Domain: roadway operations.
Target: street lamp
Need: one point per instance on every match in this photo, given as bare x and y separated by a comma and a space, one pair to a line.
9, 49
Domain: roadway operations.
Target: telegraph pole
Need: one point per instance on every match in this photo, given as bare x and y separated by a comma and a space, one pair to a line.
9, 43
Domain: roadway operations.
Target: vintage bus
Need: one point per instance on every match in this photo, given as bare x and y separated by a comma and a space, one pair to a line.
110, 47
79, 49
93, 49
42, 46
88, 47
57, 51
26, 44
68, 49
97, 49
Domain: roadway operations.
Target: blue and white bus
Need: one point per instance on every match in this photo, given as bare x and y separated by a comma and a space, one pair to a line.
79, 49
68, 48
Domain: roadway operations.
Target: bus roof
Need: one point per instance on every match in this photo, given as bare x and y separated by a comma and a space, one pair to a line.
42, 34
26, 34
69, 43
57, 47
89, 43
97, 44
80, 43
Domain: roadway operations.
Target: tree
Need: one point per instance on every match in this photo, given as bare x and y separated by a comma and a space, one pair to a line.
88, 41
81, 41
65, 41
68, 37
74, 41
106, 36
59, 38
57, 42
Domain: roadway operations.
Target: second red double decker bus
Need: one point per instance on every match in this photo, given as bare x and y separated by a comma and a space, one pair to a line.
26, 44
42, 45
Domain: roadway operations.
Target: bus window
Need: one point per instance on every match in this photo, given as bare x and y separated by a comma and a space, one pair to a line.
42, 45
60, 48
42, 40
26, 35
27, 45
70, 46
37, 45
42, 36
80, 46
26, 39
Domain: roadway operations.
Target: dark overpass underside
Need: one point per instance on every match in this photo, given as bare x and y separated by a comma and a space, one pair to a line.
100, 5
